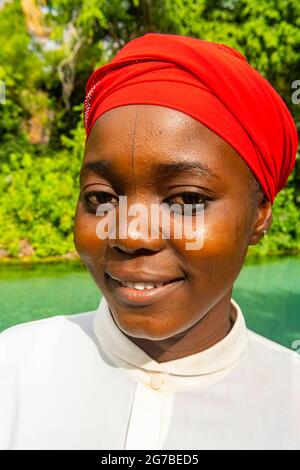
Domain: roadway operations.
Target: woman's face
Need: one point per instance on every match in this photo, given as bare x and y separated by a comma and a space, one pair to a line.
153, 154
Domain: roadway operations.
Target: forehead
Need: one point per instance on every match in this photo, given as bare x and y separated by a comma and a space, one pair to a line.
146, 136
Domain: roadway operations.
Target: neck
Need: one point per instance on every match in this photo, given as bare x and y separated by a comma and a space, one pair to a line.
209, 330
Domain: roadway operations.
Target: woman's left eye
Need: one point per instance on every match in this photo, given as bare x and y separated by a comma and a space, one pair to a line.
188, 197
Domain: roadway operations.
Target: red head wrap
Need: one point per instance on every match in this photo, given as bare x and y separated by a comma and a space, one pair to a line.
210, 82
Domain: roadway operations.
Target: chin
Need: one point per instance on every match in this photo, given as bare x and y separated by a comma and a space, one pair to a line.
144, 327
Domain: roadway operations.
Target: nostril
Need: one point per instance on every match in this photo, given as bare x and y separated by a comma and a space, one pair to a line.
123, 250
142, 251
138, 251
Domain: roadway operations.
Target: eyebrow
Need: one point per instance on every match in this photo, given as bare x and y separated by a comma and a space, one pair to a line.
98, 167
105, 167
169, 169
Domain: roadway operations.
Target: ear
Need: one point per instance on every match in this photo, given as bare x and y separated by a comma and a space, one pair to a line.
262, 221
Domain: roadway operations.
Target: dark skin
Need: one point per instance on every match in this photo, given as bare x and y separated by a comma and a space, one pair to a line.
135, 139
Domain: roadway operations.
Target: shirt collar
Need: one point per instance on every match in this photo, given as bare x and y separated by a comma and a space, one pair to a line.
221, 356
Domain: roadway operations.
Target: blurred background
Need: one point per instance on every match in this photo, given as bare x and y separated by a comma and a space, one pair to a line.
48, 50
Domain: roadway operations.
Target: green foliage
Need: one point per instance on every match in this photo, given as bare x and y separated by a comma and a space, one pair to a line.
39, 180
38, 197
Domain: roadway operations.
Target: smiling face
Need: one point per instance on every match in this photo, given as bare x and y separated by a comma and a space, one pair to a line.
153, 154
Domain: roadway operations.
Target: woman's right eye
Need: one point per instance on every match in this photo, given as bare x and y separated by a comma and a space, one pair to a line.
93, 199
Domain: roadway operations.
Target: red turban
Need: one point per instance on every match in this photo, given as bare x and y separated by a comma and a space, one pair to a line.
211, 82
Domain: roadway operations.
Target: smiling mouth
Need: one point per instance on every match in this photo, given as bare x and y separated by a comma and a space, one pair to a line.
143, 285
141, 293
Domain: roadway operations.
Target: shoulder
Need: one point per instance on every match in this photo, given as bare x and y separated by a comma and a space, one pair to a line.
24, 339
272, 355
268, 345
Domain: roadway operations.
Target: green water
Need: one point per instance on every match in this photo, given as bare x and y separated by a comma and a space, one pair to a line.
268, 293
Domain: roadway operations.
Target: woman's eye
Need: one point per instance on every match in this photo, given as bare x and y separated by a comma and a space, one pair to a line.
92, 199
197, 201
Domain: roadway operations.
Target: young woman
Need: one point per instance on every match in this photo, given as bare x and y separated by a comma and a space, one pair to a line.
166, 361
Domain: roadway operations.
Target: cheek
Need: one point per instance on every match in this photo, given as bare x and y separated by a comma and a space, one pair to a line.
225, 236
86, 241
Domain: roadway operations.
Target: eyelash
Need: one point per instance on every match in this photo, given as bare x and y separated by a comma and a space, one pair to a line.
91, 207
87, 196
203, 199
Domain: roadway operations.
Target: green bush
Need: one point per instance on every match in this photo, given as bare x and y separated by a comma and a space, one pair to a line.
39, 181
38, 195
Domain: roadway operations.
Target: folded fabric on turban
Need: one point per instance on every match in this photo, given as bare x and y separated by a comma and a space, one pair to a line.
211, 82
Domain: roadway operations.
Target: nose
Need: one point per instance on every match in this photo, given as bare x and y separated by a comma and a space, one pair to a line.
135, 242
133, 234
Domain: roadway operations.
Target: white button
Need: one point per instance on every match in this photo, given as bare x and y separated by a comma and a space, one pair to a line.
157, 381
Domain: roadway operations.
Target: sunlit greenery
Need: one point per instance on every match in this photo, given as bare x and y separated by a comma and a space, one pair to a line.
45, 60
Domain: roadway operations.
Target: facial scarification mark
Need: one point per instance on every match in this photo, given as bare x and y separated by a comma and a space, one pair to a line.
133, 148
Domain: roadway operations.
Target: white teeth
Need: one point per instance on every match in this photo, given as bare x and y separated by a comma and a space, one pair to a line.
149, 286
141, 285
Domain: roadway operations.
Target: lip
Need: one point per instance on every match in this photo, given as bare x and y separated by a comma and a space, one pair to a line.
134, 297
132, 276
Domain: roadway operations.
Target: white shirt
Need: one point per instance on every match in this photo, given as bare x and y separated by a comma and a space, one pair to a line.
77, 382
